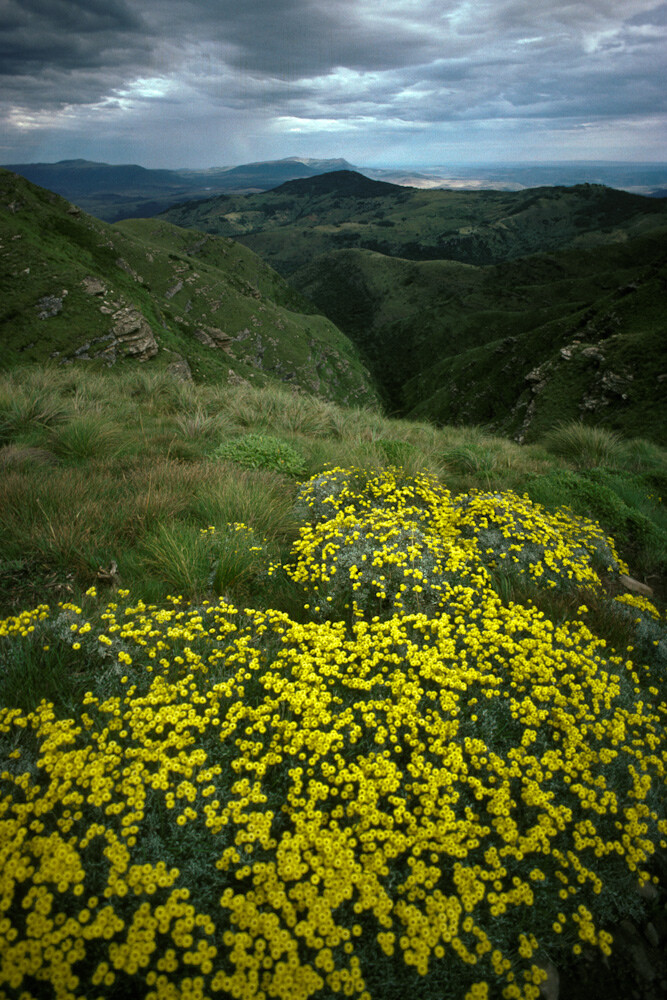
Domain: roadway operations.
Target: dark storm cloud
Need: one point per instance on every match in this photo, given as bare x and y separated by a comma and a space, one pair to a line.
38, 35
55, 52
262, 67
304, 37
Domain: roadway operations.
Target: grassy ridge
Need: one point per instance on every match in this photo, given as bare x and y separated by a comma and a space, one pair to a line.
81, 290
300, 220
513, 310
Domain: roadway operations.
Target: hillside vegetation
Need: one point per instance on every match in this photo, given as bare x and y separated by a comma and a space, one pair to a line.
291, 225
516, 346
513, 310
76, 289
299, 701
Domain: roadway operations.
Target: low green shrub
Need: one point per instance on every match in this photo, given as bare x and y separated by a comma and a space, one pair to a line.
262, 451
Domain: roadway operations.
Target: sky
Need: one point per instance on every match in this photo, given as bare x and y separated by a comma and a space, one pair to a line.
203, 83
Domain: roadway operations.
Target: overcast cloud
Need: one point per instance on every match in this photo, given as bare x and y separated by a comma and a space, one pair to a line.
381, 82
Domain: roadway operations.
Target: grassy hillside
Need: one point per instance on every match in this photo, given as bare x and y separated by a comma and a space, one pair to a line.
518, 346
76, 289
297, 700
131, 449
300, 220
513, 310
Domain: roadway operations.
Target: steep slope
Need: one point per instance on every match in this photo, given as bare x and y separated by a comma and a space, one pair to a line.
300, 220
518, 345
73, 288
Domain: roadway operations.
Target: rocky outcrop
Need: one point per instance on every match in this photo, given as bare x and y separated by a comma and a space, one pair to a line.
50, 305
211, 336
132, 334
180, 370
93, 286
604, 387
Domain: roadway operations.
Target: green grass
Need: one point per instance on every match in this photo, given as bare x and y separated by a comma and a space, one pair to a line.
206, 302
130, 455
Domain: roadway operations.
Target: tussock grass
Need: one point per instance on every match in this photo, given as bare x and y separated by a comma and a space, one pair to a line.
95, 462
23, 409
197, 425
177, 554
86, 436
585, 445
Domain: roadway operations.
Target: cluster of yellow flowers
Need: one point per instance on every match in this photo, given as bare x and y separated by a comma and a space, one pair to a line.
263, 808
641, 603
388, 544
555, 549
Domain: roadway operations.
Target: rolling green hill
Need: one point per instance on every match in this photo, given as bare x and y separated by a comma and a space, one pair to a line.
517, 346
74, 288
291, 225
510, 309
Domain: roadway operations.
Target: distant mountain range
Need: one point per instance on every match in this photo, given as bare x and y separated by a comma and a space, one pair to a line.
113, 192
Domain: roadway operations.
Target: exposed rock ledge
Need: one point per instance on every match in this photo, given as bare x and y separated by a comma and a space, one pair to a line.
132, 335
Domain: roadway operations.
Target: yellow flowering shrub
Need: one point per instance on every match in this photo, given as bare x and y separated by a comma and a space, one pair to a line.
248, 806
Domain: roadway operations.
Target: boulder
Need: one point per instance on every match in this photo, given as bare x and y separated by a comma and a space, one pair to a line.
133, 335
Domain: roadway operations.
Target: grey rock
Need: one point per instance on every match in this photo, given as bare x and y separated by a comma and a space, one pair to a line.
49, 305
133, 335
648, 891
636, 587
180, 370
203, 338
652, 935
235, 379
213, 337
123, 264
551, 985
93, 286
